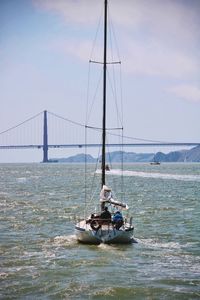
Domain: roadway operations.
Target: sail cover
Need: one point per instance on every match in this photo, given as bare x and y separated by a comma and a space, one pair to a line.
115, 203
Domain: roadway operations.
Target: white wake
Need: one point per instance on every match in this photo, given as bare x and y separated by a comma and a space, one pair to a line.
165, 176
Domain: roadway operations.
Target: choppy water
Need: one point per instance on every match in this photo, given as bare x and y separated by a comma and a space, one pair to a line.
40, 258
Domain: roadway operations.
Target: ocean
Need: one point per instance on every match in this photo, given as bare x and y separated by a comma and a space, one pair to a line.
41, 259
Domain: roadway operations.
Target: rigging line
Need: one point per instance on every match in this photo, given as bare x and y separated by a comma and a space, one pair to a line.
113, 88
89, 71
97, 31
121, 95
122, 166
88, 96
107, 63
139, 139
114, 96
66, 119
108, 152
79, 124
9, 129
94, 175
94, 97
100, 128
114, 134
85, 171
145, 140
114, 35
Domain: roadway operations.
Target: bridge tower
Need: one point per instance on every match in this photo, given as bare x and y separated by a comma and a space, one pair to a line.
45, 139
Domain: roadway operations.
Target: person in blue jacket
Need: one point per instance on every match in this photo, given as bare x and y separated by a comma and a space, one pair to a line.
118, 219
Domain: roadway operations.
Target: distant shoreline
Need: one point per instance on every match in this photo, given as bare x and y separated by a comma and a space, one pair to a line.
192, 155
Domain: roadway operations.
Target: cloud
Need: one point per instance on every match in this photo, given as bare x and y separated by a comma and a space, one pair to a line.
187, 92
151, 59
172, 19
79, 11
164, 19
155, 59
156, 37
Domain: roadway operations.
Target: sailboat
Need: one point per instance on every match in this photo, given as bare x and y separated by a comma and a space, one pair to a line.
108, 225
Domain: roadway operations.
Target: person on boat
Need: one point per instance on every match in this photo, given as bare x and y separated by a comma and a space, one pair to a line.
107, 168
118, 219
105, 215
105, 196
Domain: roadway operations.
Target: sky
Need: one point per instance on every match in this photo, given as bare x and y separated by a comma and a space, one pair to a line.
45, 46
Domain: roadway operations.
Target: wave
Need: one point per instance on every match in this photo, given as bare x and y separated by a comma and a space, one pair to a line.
66, 240
151, 243
165, 176
21, 179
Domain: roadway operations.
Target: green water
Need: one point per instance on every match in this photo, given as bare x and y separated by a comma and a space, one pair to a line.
39, 255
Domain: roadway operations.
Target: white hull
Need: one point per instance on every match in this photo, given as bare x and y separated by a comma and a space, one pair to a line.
106, 234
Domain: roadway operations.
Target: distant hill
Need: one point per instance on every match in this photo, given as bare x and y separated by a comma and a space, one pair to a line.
79, 158
192, 155
114, 157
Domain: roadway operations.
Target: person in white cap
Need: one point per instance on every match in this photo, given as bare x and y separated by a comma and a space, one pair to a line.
105, 195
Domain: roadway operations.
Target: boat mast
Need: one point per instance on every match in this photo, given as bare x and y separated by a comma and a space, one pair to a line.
104, 97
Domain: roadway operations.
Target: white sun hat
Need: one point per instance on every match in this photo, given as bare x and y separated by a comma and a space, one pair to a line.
106, 188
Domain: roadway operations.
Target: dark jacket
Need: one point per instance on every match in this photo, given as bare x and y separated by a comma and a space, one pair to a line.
105, 215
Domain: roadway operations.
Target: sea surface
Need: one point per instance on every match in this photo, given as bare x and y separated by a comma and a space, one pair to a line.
41, 259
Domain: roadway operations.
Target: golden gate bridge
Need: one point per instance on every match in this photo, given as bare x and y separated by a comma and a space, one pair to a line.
45, 131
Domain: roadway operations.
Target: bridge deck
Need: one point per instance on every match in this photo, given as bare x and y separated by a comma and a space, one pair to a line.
97, 145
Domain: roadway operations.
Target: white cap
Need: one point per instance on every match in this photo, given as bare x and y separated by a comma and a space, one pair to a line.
106, 188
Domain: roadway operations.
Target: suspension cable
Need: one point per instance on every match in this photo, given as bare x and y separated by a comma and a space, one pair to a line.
66, 119
13, 127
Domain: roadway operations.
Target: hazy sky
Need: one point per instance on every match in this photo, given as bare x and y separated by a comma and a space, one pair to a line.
45, 46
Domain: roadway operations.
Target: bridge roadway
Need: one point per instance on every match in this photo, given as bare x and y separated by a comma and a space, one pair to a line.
98, 145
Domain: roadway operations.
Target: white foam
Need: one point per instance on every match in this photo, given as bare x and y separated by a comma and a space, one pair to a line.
164, 176
155, 244
22, 179
65, 240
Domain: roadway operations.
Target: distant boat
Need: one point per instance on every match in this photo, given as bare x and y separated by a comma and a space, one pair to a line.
154, 163
105, 226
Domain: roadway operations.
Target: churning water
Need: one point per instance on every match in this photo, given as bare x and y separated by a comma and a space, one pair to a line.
39, 255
